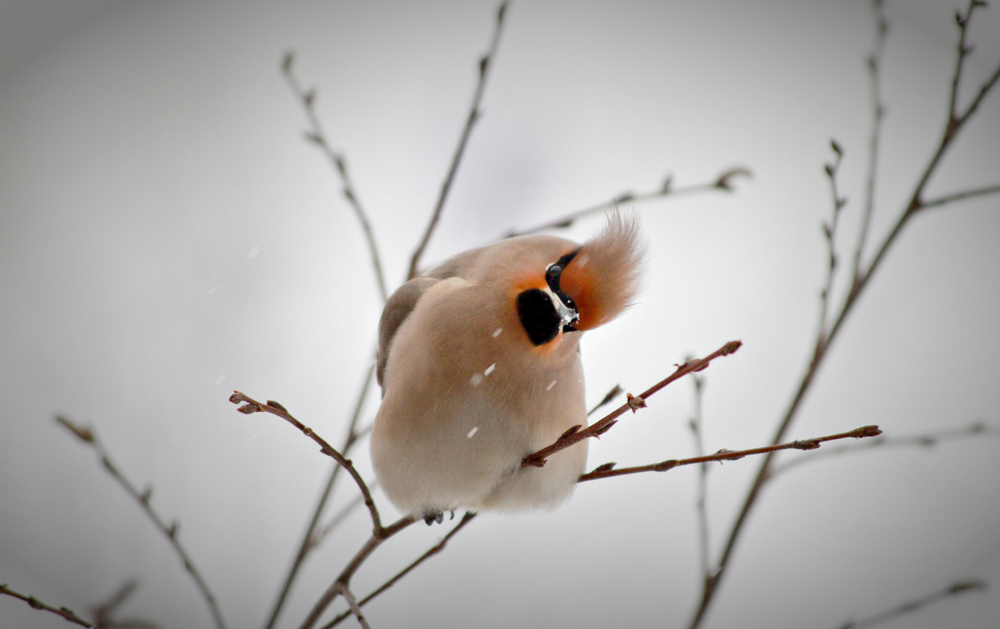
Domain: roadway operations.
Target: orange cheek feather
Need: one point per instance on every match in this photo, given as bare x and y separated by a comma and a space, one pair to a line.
587, 292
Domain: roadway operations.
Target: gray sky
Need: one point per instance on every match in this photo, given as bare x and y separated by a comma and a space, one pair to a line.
167, 236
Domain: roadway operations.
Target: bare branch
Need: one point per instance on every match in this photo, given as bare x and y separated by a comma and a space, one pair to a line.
926, 440
701, 506
722, 182
312, 536
608, 469
65, 612
344, 578
353, 604
955, 589
485, 65
338, 161
103, 613
469, 515
958, 196
878, 113
251, 406
339, 517
88, 436
953, 124
574, 435
608, 399
830, 234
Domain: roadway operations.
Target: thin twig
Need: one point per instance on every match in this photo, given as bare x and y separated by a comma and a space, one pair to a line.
344, 578
341, 515
65, 612
953, 125
312, 537
608, 469
575, 435
878, 113
701, 503
722, 182
830, 234
485, 65
88, 436
338, 161
955, 589
608, 399
958, 196
469, 515
926, 440
103, 613
251, 405
353, 604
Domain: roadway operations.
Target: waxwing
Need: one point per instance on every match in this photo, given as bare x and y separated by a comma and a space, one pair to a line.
479, 364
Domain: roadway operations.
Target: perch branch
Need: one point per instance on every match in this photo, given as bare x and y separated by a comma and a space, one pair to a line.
338, 161
575, 435
608, 469
485, 65
88, 436
723, 182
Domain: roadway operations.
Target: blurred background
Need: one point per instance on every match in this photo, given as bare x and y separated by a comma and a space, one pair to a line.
167, 235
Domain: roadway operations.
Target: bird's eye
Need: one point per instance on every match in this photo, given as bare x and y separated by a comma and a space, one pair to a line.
538, 316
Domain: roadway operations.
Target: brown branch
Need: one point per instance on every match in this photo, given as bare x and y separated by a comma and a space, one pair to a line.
955, 589
88, 436
878, 114
608, 469
927, 440
65, 612
103, 613
338, 161
608, 398
469, 515
861, 281
830, 234
251, 405
958, 196
701, 506
575, 435
485, 65
340, 516
312, 536
344, 578
353, 604
722, 182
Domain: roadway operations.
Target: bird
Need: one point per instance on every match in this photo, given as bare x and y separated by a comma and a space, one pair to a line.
479, 363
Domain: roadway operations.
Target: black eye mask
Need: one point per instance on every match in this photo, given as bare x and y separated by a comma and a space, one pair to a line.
541, 318
552, 277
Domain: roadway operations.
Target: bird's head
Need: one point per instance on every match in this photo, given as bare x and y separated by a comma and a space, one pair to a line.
586, 286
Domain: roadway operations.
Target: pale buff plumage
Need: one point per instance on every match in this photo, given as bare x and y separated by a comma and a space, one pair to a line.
467, 393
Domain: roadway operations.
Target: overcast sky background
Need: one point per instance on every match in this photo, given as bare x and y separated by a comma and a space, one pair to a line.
167, 236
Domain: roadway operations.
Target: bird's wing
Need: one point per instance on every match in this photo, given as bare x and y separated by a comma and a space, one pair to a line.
397, 308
